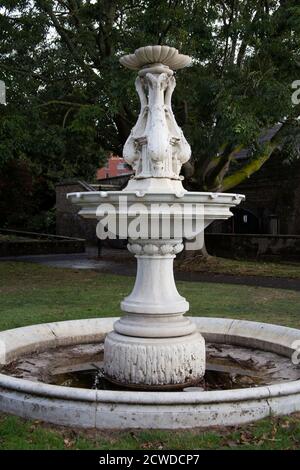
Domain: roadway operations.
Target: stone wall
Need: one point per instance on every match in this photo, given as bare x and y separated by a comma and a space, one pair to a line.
68, 222
40, 247
249, 246
22, 243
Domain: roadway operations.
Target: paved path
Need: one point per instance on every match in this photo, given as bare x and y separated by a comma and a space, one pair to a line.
120, 262
261, 281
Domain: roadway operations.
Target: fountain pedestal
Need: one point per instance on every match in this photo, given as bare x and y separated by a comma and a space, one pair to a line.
154, 345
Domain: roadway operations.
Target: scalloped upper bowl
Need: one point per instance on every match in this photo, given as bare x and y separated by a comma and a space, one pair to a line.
209, 206
165, 55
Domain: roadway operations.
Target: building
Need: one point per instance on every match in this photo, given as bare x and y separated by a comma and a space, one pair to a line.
267, 224
272, 204
115, 166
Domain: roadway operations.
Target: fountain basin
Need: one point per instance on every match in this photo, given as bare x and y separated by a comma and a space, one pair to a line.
215, 206
108, 409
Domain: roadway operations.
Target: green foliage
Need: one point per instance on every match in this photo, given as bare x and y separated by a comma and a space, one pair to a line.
69, 101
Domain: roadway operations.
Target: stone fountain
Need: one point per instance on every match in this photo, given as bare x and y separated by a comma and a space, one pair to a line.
154, 345
153, 348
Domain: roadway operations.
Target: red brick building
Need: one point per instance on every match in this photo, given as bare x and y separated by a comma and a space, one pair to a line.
115, 166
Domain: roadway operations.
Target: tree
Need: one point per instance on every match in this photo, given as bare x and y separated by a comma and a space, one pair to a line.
70, 102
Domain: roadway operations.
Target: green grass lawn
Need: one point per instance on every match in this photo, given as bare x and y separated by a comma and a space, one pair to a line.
216, 265
31, 293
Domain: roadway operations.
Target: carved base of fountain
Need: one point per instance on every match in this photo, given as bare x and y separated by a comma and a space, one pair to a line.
154, 362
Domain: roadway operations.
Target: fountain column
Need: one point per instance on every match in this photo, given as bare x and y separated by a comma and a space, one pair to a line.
153, 345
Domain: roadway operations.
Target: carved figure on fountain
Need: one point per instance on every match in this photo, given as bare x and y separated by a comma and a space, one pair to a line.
156, 146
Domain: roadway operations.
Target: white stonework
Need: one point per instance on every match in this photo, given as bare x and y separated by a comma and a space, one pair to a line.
154, 345
156, 146
159, 361
155, 291
156, 149
109, 409
159, 55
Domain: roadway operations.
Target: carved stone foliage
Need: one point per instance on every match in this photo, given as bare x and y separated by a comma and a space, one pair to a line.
152, 249
156, 146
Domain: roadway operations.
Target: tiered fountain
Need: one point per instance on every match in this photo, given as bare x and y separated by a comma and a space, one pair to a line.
153, 348
154, 345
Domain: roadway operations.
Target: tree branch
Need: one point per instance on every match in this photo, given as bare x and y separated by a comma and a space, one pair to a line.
64, 103
251, 167
257, 162
214, 179
45, 7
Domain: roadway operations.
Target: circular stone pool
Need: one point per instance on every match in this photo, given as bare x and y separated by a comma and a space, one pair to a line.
52, 372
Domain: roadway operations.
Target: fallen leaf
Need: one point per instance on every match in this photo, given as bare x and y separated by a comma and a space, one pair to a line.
68, 443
